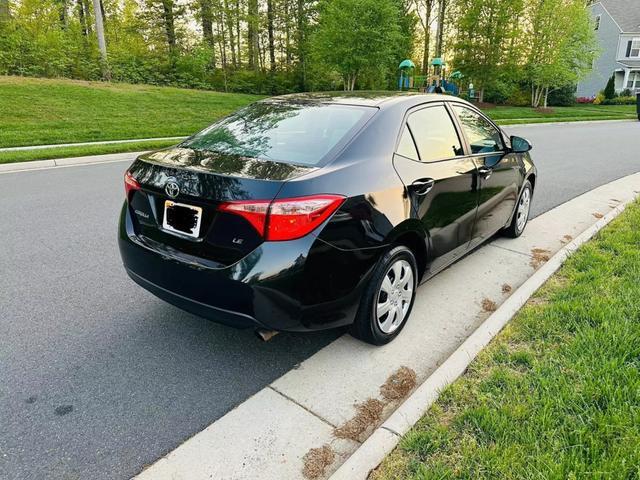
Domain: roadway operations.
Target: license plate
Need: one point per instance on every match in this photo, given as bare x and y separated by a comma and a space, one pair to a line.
181, 218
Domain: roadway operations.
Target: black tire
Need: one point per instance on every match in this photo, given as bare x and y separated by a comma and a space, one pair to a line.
513, 230
366, 327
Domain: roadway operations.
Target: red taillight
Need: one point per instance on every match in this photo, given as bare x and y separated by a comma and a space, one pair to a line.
286, 219
130, 184
254, 212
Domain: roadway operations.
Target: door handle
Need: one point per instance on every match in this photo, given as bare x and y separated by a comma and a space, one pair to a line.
423, 185
485, 172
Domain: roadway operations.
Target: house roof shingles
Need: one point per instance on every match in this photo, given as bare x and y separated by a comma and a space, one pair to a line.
625, 12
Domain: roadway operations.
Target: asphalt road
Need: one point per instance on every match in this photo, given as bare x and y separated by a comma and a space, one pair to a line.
98, 378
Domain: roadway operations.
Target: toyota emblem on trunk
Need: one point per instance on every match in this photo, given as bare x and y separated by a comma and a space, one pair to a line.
172, 188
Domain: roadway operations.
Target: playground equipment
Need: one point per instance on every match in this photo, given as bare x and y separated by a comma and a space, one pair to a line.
407, 69
436, 83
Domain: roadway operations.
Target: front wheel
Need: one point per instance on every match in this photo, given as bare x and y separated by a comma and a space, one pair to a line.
387, 302
521, 214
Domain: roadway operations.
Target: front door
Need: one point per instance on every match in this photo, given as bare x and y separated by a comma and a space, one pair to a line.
498, 172
441, 182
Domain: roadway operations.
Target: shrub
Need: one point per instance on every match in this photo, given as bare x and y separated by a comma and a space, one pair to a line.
630, 100
563, 97
585, 99
599, 98
610, 89
520, 97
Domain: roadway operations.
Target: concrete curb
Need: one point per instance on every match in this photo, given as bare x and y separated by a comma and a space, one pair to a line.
84, 144
67, 162
385, 438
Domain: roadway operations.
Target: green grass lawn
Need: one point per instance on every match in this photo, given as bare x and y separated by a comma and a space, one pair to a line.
44, 111
557, 394
513, 115
66, 152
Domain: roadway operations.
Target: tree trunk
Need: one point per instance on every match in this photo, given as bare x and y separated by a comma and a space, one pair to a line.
5, 14
252, 34
546, 97
301, 44
287, 33
262, 61
222, 42
427, 36
228, 18
238, 35
481, 95
169, 26
87, 15
440, 31
102, 44
272, 47
82, 18
206, 21
104, 15
63, 14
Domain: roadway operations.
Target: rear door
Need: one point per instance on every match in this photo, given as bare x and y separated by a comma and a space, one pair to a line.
498, 172
440, 179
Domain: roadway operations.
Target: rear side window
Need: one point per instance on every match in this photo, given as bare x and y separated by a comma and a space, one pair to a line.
434, 133
482, 135
286, 132
406, 147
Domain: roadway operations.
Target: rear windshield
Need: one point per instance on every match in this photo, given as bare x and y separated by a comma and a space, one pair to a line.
297, 133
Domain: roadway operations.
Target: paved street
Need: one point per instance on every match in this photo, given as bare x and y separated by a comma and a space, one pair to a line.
98, 378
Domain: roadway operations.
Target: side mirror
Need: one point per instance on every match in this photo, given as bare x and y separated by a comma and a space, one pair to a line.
519, 145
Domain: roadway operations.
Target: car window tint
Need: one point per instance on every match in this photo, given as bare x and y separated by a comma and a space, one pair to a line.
483, 137
435, 134
287, 132
406, 147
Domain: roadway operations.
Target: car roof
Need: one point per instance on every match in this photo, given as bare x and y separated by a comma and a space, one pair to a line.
366, 98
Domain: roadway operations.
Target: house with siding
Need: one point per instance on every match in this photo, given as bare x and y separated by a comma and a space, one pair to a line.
617, 25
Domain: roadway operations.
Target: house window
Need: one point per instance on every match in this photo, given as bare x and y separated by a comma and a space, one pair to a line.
634, 80
597, 24
634, 51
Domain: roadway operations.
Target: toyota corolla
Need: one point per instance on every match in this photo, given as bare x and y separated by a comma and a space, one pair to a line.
315, 211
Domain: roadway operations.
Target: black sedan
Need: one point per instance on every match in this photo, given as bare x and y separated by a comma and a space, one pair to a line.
316, 211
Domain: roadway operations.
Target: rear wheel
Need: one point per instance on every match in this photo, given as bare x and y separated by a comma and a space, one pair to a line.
387, 302
521, 214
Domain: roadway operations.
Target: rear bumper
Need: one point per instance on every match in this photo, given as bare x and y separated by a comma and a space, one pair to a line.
226, 317
298, 285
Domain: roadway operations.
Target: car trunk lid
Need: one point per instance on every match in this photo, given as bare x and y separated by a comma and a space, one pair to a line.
182, 188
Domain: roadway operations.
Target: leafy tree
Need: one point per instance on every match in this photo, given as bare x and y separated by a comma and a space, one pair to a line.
356, 37
562, 46
487, 39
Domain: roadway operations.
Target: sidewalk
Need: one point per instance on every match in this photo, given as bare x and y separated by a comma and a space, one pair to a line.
316, 416
66, 162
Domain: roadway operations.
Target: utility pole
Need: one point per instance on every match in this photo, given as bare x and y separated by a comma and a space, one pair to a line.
102, 44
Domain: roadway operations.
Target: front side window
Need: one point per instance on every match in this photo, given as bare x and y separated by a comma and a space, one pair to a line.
634, 80
597, 24
482, 135
434, 133
635, 48
286, 132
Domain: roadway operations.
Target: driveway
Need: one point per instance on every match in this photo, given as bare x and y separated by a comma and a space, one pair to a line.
98, 378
